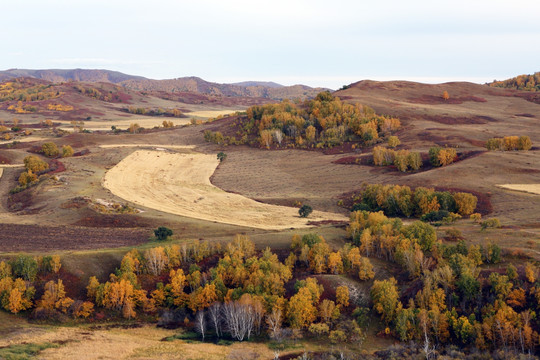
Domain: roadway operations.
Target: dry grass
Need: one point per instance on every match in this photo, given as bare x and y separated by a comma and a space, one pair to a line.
180, 184
147, 123
156, 147
528, 188
211, 113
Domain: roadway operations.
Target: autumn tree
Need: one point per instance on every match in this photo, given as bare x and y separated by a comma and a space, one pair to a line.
342, 296
445, 95
156, 260
301, 311
465, 203
49, 149
385, 297
35, 164
67, 151
393, 141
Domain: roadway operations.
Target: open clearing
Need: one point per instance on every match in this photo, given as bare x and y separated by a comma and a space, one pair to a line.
180, 184
528, 188
211, 113
147, 145
124, 124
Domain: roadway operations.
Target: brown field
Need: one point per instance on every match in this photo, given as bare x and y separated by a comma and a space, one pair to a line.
180, 184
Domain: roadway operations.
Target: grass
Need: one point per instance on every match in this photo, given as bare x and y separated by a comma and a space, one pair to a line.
24, 351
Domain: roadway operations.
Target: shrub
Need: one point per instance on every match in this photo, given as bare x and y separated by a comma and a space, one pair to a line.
50, 149
27, 177
35, 164
305, 210
490, 223
162, 233
453, 235
393, 141
67, 151
221, 156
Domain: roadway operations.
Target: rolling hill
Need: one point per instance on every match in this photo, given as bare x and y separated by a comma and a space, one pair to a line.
268, 90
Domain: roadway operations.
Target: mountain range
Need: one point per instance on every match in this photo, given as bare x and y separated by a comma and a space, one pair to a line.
260, 89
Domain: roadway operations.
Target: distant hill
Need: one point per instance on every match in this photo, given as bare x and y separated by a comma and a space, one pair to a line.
63, 75
270, 84
268, 90
521, 82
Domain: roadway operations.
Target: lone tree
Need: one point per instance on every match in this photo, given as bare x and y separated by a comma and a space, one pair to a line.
221, 156
162, 233
445, 95
305, 210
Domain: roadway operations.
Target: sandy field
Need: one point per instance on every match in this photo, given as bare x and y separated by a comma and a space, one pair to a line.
528, 188
180, 184
147, 123
211, 113
147, 146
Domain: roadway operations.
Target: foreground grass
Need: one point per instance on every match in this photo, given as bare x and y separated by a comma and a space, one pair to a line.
24, 351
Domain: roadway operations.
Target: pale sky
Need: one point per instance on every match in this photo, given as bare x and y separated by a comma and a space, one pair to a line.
317, 43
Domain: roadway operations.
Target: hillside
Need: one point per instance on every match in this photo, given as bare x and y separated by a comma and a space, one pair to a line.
267, 90
521, 82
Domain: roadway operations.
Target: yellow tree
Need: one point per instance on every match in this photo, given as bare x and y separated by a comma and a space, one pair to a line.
445, 95
335, 263
300, 311
385, 297
342, 296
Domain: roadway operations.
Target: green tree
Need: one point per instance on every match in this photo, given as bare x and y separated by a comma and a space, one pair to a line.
25, 267
305, 210
221, 156
162, 233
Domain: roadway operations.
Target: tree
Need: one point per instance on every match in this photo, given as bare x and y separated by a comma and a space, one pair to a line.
445, 95
266, 138
35, 164
342, 296
162, 233
134, 128
524, 143
25, 267
214, 311
301, 312
425, 234
385, 297
156, 260
200, 323
67, 151
365, 269
393, 141
465, 203
221, 156
50, 149
27, 177
305, 210
414, 160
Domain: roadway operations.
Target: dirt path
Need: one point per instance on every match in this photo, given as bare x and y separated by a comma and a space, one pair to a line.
180, 184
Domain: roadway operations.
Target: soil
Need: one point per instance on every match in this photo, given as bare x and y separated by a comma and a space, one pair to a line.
37, 238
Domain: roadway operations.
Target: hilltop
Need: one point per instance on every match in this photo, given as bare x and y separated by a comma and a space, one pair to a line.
521, 82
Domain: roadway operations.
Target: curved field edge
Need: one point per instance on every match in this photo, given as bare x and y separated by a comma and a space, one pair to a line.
180, 184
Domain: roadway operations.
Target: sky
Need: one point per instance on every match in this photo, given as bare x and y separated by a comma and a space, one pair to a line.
312, 42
